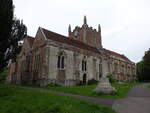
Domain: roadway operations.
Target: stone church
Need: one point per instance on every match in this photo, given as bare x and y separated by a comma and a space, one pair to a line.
50, 57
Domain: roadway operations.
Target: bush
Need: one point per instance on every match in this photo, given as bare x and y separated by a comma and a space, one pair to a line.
53, 85
92, 82
110, 76
3, 75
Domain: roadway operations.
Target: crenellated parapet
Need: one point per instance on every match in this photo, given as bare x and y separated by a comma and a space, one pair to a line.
86, 34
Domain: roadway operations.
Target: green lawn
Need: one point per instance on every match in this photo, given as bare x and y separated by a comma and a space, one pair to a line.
18, 100
122, 90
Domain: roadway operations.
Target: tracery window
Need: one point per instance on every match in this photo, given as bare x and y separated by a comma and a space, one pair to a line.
61, 61
36, 61
84, 66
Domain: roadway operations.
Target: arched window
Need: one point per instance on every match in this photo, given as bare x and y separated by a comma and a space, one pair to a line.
58, 62
61, 61
84, 66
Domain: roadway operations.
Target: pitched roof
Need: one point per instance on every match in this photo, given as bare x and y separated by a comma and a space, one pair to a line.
63, 39
116, 55
30, 39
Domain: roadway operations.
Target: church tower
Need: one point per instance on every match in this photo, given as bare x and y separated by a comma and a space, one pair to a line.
86, 34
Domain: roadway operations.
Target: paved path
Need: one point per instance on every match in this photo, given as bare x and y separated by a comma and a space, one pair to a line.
107, 102
137, 101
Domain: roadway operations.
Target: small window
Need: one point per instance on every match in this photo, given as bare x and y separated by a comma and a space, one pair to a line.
58, 62
61, 62
84, 67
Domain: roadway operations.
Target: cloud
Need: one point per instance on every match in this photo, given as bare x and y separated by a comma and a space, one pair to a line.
125, 23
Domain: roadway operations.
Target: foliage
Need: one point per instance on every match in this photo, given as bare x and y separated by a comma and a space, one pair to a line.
146, 67
110, 76
18, 100
19, 32
92, 82
87, 90
12, 30
143, 68
3, 75
139, 70
6, 22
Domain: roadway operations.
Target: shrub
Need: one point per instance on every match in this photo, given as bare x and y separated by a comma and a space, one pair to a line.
53, 85
92, 82
110, 76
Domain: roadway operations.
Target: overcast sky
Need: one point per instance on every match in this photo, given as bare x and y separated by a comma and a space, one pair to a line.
125, 24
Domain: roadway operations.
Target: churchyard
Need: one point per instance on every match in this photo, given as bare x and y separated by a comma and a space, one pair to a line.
122, 90
18, 100
22, 99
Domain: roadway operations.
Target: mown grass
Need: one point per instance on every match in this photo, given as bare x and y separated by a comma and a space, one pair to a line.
18, 100
122, 90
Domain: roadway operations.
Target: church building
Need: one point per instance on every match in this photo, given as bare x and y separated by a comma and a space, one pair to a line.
51, 58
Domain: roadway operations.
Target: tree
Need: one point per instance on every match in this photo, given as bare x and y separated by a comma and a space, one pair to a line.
146, 68
139, 70
19, 32
143, 68
6, 22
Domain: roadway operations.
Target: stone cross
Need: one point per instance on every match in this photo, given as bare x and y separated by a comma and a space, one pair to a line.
104, 85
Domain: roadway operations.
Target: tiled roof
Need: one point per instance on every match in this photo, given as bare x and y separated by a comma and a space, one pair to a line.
116, 55
63, 39
30, 39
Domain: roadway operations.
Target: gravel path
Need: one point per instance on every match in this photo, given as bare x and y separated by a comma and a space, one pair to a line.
137, 101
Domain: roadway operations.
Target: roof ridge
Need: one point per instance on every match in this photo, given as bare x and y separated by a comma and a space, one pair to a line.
113, 52
120, 55
68, 38
64, 39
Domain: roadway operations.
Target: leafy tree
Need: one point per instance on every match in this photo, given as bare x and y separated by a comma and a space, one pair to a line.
19, 32
6, 22
146, 67
140, 70
143, 68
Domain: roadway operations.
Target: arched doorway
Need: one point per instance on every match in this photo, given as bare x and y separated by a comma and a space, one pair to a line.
84, 79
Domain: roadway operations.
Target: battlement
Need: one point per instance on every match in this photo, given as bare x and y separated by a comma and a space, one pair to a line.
86, 34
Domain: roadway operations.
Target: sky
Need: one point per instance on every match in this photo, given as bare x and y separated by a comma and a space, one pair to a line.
125, 24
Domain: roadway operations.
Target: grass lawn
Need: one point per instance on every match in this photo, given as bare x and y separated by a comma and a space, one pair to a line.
18, 100
122, 90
